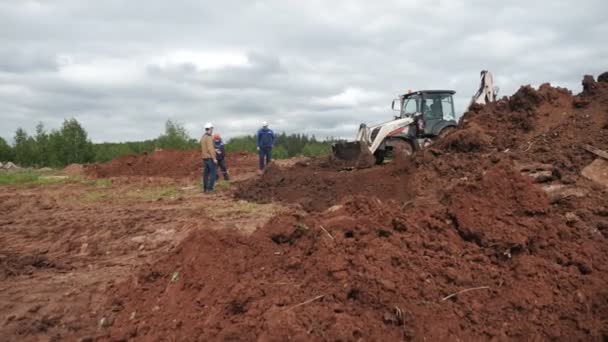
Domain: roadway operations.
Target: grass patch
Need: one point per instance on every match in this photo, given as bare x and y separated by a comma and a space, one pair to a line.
101, 183
95, 196
30, 177
104, 183
235, 208
154, 193
223, 185
247, 207
15, 178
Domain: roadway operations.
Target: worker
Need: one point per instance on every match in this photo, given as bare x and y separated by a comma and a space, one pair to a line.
209, 159
220, 154
436, 112
265, 140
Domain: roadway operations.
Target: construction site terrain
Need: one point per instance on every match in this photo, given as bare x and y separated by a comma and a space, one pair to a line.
496, 232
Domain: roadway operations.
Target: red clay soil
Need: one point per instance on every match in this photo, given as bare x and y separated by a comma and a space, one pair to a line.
316, 185
59, 251
455, 244
168, 163
73, 169
369, 271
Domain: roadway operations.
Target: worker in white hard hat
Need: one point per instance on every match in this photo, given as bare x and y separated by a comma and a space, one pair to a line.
265, 140
209, 159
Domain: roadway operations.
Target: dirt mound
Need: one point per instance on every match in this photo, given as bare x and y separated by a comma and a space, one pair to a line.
528, 112
318, 185
167, 163
73, 169
457, 242
470, 139
547, 125
479, 210
366, 270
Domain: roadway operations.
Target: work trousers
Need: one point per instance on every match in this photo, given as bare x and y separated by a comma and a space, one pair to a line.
265, 156
209, 174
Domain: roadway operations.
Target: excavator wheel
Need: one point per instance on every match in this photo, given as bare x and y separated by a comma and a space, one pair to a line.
444, 132
380, 155
402, 149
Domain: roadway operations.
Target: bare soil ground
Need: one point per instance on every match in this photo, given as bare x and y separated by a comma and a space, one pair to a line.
63, 246
494, 233
497, 232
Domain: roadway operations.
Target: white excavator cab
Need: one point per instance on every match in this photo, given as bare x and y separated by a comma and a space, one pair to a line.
436, 108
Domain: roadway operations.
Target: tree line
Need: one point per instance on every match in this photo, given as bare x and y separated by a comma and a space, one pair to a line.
71, 144
286, 146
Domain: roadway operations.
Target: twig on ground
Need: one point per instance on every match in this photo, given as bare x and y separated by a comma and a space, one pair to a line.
463, 291
400, 315
326, 232
529, 146
306, 302
596, 151
285, 283
405, 204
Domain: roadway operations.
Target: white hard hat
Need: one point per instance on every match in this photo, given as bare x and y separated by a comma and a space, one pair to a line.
264, 123
208, 125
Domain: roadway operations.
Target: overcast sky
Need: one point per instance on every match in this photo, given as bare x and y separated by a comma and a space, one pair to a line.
122, 68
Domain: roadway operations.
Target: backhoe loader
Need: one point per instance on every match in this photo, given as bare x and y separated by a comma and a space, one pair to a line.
424, 116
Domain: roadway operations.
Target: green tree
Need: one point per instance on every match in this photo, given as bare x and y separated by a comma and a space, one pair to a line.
279, 152
175, 136
316, 149
107, 151
241, 144
6, 151
70, 144
286, 145
24, 148
41, 146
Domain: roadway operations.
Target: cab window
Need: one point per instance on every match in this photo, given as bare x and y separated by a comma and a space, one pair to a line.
410, 106
448, 108
438, 107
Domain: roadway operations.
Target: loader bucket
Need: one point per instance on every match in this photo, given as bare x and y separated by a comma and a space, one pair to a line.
356, 153
347, 150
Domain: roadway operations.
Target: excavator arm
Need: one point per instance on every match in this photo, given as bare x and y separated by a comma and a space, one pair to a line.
487, 91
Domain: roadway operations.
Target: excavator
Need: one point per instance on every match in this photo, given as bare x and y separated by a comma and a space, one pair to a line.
424, 117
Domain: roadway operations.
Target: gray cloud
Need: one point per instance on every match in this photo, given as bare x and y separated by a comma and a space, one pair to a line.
123, 68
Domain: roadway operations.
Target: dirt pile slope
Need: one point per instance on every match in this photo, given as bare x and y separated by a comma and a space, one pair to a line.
167, 163
547, 125
368, 271
316, 185
472, 247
